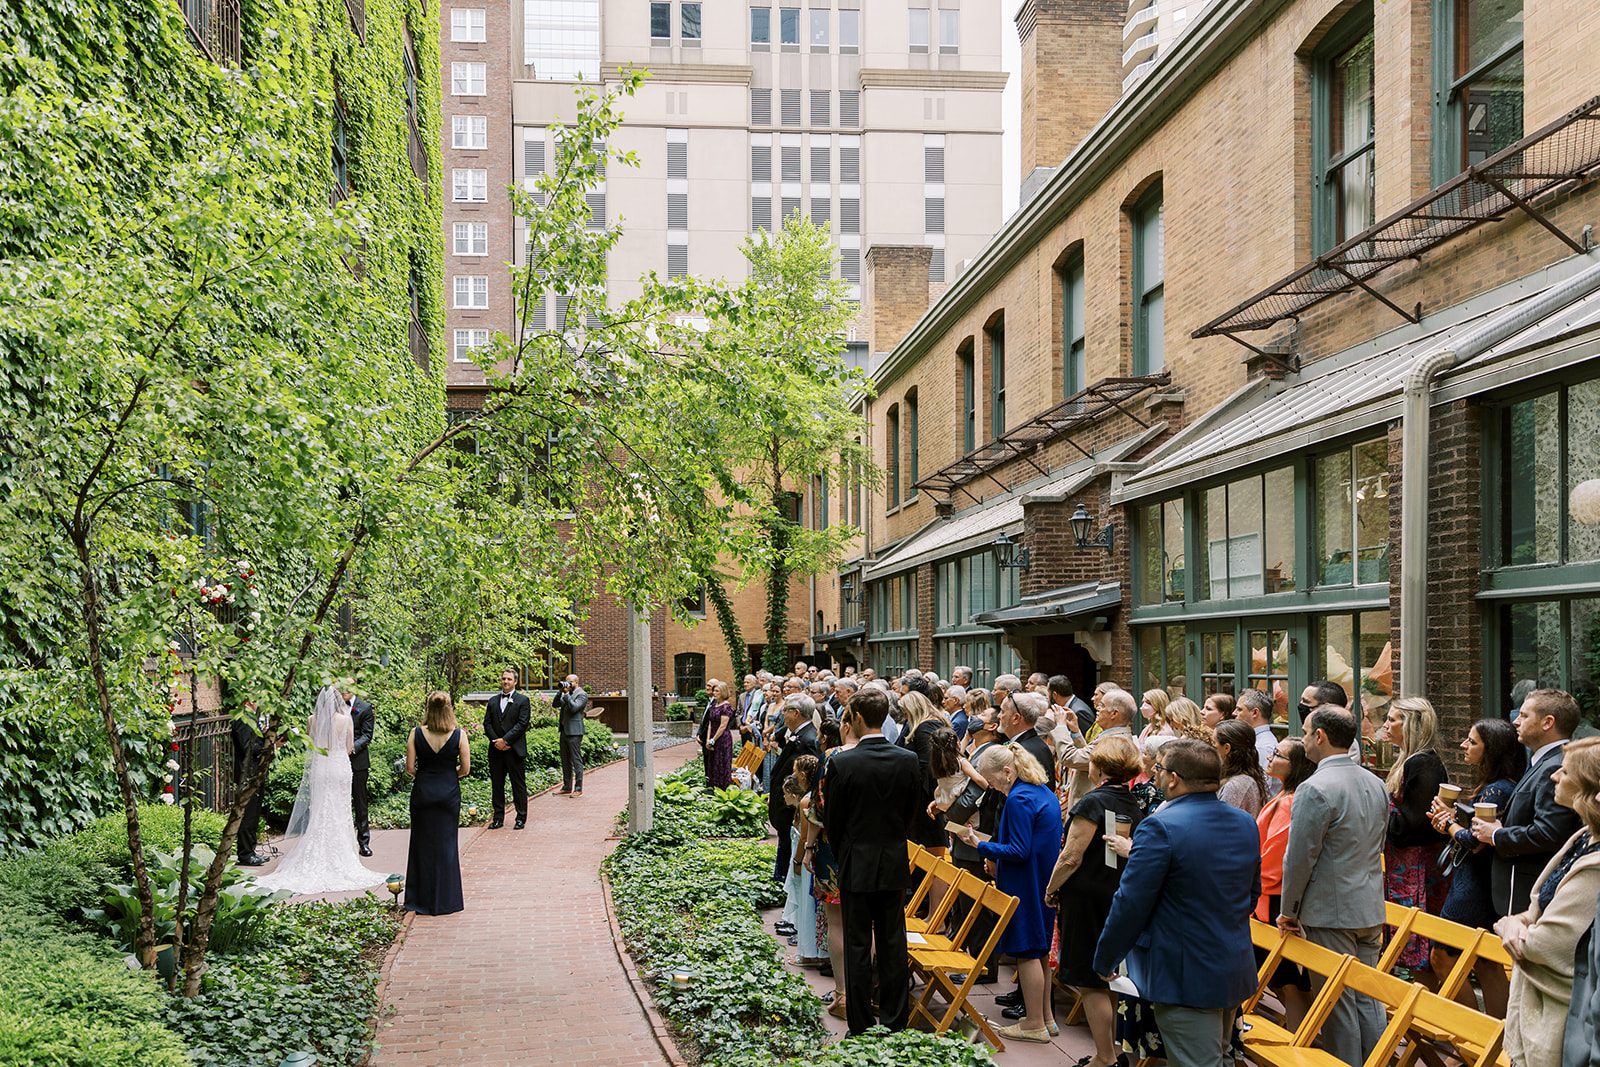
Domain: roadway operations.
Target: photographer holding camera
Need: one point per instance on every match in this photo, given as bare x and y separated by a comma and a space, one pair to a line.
572, 706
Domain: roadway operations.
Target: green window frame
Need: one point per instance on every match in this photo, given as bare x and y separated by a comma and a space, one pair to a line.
822, 501
1343, 131
1351, 514
1478, 82
969, 400
995, 337
1149, 283
1073, 369
893, 445
911, 444
1159, 552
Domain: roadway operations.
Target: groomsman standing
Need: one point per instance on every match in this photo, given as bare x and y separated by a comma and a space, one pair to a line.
505, 724
365, 722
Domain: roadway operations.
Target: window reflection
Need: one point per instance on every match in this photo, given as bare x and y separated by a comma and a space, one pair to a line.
1352, 507
1269, 669
562, 39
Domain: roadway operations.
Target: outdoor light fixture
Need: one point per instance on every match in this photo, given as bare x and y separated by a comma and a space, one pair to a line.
1081, 521
682, 980
847, 586
1583, 503
1008, 554
395, 884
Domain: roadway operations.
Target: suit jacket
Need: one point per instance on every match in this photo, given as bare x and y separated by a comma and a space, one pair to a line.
802, 742
1582, 1045
570, 709
508, 719
870, 794
1039, 749
1196, 848
1084, 710
247, 743
1333, 864
1074, 761
1532, 828
364, 722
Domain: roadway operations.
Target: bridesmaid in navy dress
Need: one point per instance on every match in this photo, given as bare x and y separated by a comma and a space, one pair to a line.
438, 758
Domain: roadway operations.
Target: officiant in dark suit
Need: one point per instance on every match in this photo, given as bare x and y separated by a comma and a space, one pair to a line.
505, 724
572, 708
247, 743
364, 722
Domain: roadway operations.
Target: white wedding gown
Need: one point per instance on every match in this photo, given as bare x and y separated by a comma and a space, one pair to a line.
323, 858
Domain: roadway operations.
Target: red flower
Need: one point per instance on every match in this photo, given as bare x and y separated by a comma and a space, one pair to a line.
168, 789
175, 746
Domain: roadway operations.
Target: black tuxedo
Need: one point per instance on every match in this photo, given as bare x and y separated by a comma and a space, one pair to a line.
571, 711
871, 794
507, 719
247, 745
364, 722
1039, 749
802, 742
1532, 829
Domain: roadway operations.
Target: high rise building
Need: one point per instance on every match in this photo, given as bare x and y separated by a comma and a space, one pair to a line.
880, 121
1151, 27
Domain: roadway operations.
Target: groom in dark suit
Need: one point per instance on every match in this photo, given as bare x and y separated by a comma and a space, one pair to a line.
505, 724
365, 722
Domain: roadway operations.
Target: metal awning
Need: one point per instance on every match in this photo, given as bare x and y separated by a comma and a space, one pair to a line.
839, 637
1542, 165
1058, 607
1080, 410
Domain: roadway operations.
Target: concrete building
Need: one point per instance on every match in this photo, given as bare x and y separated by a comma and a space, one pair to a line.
1172, 384
1152, 27
880, 120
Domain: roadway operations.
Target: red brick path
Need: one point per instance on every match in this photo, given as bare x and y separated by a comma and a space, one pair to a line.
527, 974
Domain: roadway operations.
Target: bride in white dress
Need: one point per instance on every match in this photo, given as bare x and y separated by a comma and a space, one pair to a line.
320, 845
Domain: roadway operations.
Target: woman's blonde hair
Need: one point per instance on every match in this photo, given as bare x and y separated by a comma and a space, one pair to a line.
997, 757
977, 702
1158, 699
919, 709
1419, 729
1581, 760
1186, 719
439, 712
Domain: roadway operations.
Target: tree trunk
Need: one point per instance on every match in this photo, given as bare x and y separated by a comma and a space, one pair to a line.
775, 657
145, 944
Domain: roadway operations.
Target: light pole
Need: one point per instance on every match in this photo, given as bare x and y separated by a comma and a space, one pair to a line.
641, 707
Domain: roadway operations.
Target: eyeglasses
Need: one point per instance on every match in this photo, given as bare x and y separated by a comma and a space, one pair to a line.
1160, 766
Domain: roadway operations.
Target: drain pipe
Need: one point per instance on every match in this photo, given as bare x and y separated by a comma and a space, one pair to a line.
1416, 403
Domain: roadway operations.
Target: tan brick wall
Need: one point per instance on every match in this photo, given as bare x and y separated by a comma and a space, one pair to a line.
894, 292
1071, 73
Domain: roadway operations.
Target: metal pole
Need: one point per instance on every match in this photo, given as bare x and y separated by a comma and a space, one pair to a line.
641, 701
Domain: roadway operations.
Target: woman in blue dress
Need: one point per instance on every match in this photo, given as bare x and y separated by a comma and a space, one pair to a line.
1023, 851
1499, 760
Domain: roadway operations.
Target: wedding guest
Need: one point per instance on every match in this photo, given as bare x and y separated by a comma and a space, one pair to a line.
1114, 718
1019, 716
1153, 710
1082, 884
1499, 761
720, 727
801, 903
1580, 1046
955, 709
1185, 719
797, 738
1243, 784
1289, 768
1543, 939
1062, 696
1024, 851
1254, 709
1218, 706
1411, 847
978, 702
437, 758
833, 737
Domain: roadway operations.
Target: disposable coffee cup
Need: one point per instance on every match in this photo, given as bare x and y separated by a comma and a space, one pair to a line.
1120, 826
1486, 812
1449, 793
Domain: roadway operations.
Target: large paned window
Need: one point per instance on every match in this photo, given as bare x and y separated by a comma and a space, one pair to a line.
969, 399
1352, 515
1249, 531
688, 673
1149, 284
789, 26
995, 336
1161, 554
891, 658
893, 460
660, 21
911, 444
1478, 81
1072, 333
761, 26
1356, 654
969, 585
1343, 131
988, 656
1552, 641
561, 42
893, 604
1162, 662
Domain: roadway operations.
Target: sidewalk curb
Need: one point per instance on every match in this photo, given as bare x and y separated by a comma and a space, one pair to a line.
658, 1025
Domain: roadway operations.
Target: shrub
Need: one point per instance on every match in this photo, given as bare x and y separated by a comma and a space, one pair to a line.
680, 711
105, 841
50, 885
241, 904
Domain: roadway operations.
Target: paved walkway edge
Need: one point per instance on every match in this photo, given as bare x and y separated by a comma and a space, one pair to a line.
658, 1025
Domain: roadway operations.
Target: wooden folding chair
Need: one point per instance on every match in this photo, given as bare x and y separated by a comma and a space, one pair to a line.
938, 964
1476, 1038
1398, 998
939, 872
1270, 940
1484, 947
750, 757
922, 865
1399, 920
1262, 1029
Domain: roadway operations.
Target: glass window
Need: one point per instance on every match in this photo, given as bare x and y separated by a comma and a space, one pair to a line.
1581, 448
849, 31
949, 30
1352, 508
1480, 81
561, 42
1238, 520
1279, 528
1218, 663
689, 22
819, 29
1072, 334
892, 435
467, 24
996, 336
469, 131
1149, 277
660, 21
467, 79
470, 239
911, 444
919, 29
472, 291
1161, 564
466, 341
1344, 138
969, 401
1550, 471
789, 25
761, 25
689, 673
1162, 663
1268, 669
470, 185
1357, 653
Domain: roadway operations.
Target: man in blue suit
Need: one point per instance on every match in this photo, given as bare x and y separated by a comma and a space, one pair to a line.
1181, 916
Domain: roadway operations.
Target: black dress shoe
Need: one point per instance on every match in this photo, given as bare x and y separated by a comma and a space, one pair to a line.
1012, 999
520, 824
1017, 1012
497, 824
784, 928
826, 970
366, 850
255, 859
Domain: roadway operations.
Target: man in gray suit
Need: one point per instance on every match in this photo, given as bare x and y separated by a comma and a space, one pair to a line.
1333, 871
572, 706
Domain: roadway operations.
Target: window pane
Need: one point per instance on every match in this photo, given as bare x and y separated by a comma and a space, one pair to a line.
819, 28
1245, 569
1372, 511
1278, 529
949, 29
1211, 581
761, 25
789, 25
1149, 519
1152, 247
849, 29
1154, 356
1485, 28
1584, 680
1491, 109
1336, 639
1149, 641
1530, 637
1377, 672
660, 21
1172, 536
919, 29
1533, 487
1177, 665
1351, 128
1269, 669
691, 22
1217, 663
1335, 561
1583, 465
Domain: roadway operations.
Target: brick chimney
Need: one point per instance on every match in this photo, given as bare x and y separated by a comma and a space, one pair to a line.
1071, 74
895, 291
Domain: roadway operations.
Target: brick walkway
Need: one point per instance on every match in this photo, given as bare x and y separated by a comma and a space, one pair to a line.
527, 974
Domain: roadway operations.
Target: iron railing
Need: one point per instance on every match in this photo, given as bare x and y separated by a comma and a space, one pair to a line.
209, 739
214, 28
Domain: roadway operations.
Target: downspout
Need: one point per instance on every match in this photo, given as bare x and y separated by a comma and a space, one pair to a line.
1416, 402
